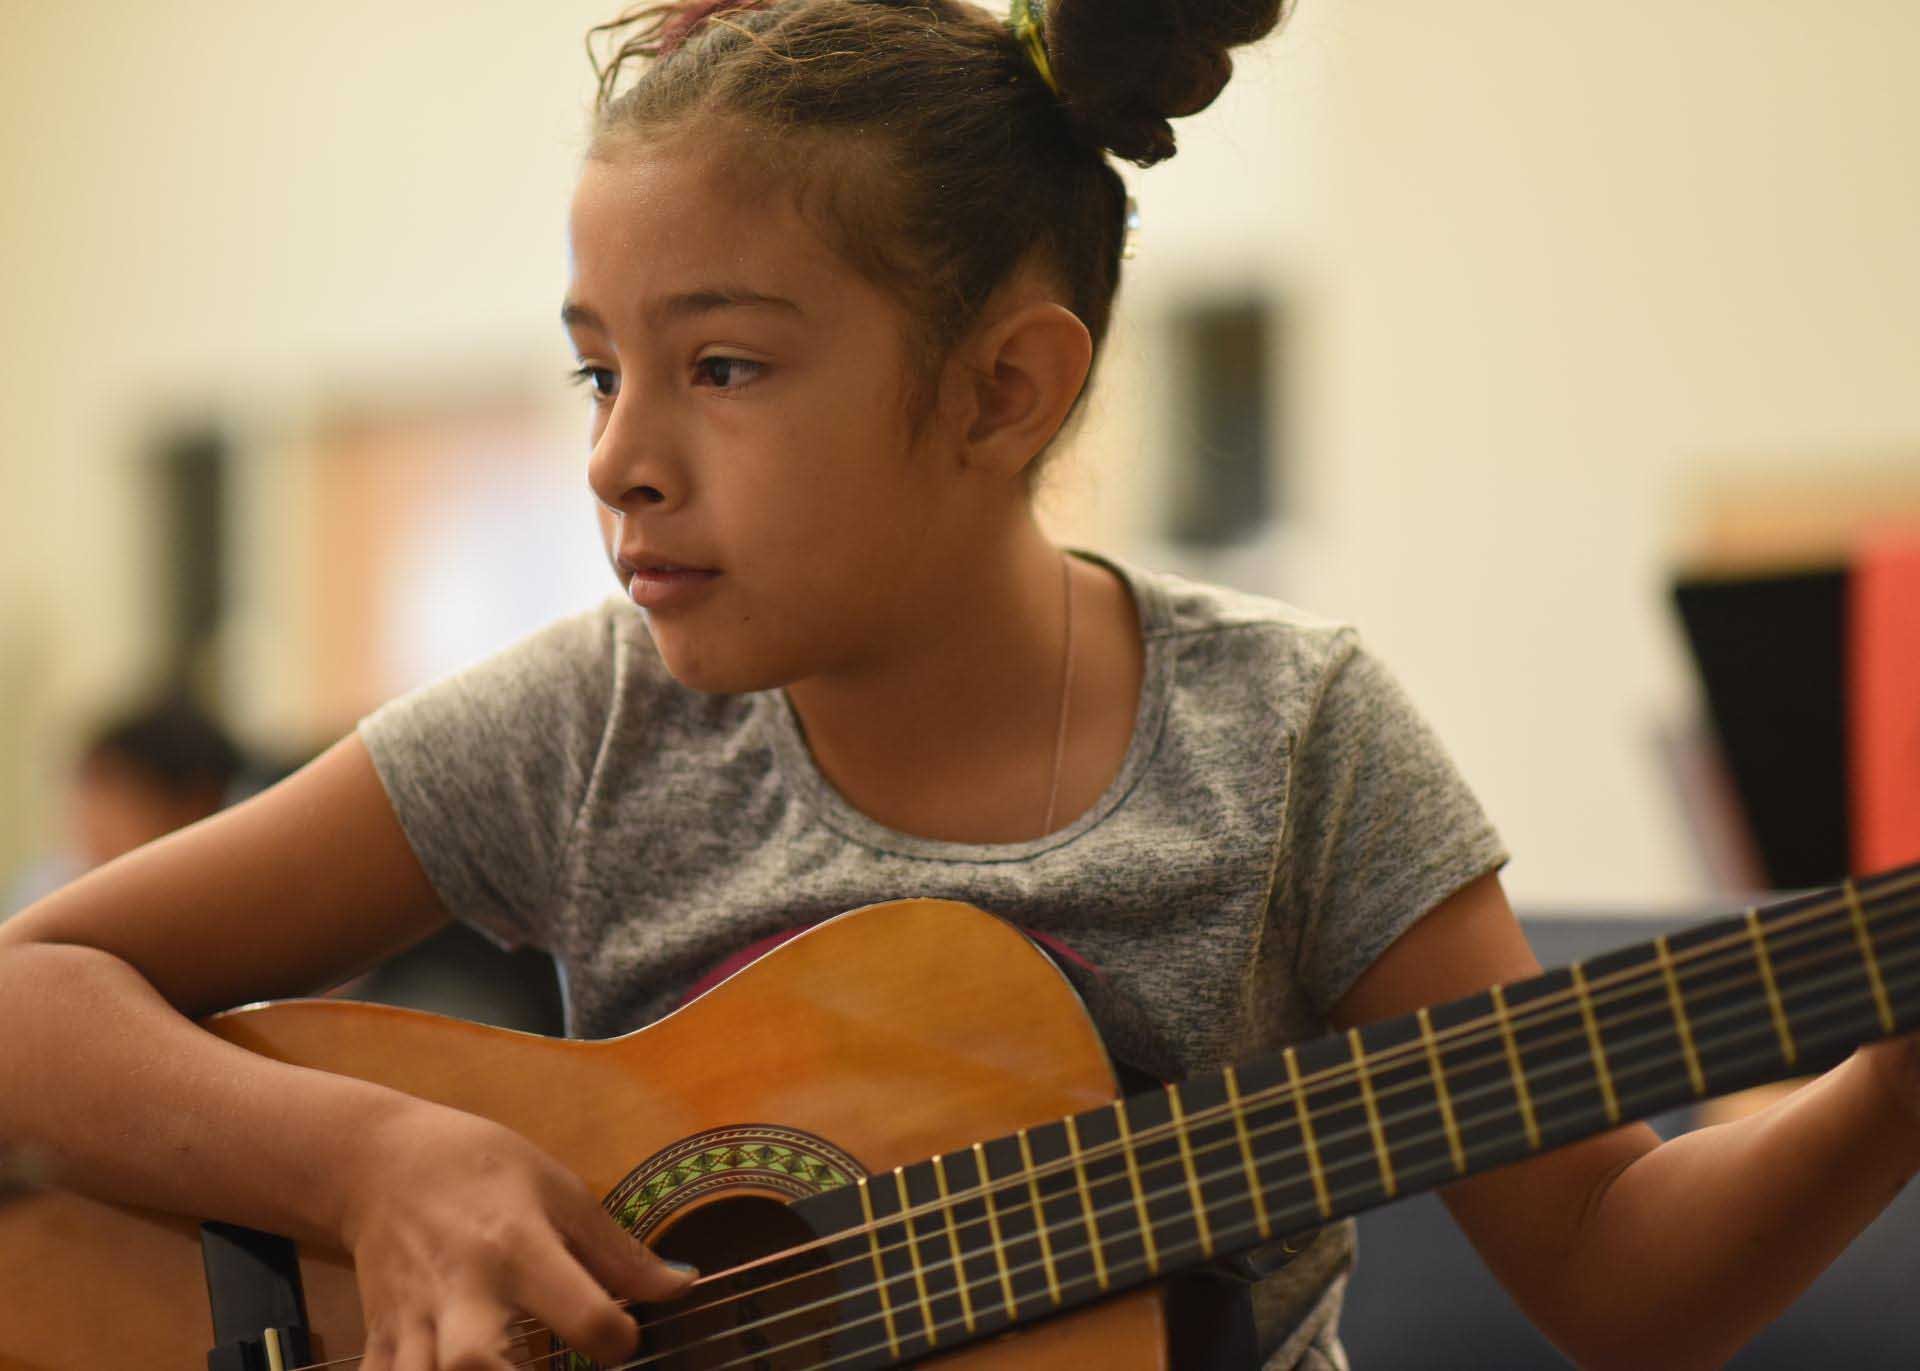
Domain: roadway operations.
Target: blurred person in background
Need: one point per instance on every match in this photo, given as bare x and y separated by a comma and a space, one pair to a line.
140, 775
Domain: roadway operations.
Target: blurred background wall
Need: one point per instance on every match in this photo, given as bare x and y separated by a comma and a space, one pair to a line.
1532, 290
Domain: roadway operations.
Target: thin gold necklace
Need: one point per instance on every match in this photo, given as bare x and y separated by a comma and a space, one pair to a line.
1066, 693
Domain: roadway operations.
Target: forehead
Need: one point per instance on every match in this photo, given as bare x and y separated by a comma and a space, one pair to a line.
648, 224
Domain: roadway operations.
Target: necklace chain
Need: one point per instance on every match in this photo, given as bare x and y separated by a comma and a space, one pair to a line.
1066, 693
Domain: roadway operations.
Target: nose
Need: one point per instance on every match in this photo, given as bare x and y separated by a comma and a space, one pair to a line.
633, 466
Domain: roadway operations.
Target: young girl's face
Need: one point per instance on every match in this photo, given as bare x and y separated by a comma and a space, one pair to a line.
768, 501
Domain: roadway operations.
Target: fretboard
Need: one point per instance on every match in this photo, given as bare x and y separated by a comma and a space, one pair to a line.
1016, 1228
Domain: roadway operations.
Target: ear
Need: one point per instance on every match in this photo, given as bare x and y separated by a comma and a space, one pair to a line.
1025, 369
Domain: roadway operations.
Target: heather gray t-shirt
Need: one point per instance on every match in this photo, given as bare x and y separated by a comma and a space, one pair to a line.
1282, 815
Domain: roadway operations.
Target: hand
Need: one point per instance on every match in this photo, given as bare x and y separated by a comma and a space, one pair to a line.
1896, 1064
458, 1226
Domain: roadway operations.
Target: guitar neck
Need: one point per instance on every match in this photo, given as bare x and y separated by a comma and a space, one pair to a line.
1069, 1211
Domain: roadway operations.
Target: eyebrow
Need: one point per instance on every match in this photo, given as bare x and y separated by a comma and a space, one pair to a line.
685, 304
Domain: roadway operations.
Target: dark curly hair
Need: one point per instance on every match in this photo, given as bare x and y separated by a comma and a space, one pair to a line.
932, 153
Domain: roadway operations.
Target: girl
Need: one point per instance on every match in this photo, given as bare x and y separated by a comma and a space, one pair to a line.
841, 269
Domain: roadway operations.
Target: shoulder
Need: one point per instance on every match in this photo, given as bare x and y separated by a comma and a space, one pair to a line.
1224, 639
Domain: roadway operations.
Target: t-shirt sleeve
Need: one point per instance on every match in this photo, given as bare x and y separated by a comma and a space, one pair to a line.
1380, 825
488, 768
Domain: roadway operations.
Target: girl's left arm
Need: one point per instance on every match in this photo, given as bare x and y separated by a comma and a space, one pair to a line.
1630, 1252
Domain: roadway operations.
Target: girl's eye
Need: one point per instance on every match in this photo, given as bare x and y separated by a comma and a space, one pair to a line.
727, 373
599, 380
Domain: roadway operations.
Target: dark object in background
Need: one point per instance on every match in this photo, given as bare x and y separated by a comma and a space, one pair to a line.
172, 743
1224, 486
144, 773
192, 466
1771, 651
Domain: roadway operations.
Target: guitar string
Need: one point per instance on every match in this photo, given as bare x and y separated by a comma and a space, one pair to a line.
1452, 1039
1522, 1018
948, 1325
1078, 1219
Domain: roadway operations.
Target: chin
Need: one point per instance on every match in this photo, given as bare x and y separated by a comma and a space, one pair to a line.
711, 668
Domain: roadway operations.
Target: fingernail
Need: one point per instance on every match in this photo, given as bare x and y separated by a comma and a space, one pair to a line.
682, 1269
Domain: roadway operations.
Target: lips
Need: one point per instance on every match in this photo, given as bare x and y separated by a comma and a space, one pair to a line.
635, 561
657, 582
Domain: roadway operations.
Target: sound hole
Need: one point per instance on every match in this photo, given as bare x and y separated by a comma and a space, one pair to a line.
776, 1316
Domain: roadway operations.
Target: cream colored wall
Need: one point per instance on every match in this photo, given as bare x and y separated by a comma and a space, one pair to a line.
1541, 263
247, 210
1551, 267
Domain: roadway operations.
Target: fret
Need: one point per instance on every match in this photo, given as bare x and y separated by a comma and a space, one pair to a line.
1598, 1049
907, 1317
953, 1243
1504, 1018
1483, 1084
1373, 1111
1270, 1113
1181, 1132
841, 1274
1167, 1193
1867, 955
1179, 1120
1638, 1032
1826, 994
1064, 1215
907, 1202
1133, 1179
974, 1236
1124, 1246
1732, 1035
1306, 1134
1230, 1212
1262, 1225
879, 1270
1342, 1141
993, 1227
1892, 918
1414, 1142
1567, 1096
1788, 1051
1030, 1249
1456, 1149
1094, 1245
1681, 1023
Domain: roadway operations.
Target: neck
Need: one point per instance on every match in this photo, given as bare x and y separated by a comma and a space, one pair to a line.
963, 702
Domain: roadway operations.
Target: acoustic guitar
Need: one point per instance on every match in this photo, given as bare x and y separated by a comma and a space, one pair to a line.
897, 1138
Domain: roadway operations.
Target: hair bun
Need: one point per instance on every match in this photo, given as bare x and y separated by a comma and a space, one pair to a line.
1125, 67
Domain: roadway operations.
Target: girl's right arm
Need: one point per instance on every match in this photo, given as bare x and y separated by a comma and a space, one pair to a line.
456, 1224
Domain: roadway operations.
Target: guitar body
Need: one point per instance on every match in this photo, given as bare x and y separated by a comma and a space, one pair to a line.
880, 1038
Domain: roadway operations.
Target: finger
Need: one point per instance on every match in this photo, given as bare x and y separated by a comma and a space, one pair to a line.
413, 1349
554, 1286
377, 1355
472, 1336
623, 1264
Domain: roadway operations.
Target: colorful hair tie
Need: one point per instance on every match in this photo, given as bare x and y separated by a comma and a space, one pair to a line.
1028, 18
